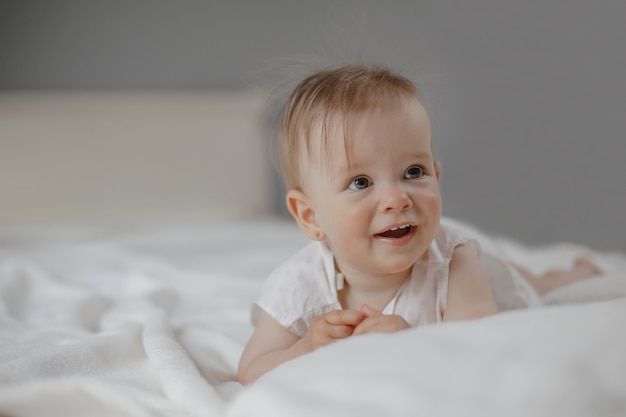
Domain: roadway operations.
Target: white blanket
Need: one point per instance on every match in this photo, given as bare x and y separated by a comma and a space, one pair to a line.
153, 324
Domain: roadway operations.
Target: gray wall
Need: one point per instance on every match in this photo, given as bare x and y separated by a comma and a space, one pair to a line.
527, 97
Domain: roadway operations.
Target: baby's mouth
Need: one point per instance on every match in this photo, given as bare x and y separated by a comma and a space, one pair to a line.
396, 232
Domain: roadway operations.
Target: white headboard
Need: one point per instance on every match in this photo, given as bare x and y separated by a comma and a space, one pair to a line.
119, 158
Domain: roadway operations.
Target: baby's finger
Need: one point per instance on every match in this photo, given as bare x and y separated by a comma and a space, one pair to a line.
381, 324
344, 317
340, 332
369, 311
363, 328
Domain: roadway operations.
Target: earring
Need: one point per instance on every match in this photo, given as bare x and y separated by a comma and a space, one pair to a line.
317, 234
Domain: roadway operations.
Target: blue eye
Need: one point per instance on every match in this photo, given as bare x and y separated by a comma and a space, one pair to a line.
414, 172
359, 183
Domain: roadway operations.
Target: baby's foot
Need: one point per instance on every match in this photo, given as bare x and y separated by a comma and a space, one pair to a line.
584, 268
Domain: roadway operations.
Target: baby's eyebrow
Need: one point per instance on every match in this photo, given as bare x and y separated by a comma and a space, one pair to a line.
345, 169
420, 155
349, 168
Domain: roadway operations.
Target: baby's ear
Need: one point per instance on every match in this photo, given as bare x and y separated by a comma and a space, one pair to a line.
303, 212
437, 169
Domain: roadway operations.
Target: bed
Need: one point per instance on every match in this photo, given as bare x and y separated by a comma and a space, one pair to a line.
118, 313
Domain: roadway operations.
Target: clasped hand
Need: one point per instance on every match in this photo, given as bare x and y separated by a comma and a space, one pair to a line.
339, 324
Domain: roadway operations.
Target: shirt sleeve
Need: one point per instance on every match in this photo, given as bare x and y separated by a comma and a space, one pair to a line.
297, 291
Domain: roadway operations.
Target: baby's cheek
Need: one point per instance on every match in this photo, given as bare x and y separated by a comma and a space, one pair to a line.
432, 200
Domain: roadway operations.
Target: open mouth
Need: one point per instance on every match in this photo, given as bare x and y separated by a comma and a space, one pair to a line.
396, 232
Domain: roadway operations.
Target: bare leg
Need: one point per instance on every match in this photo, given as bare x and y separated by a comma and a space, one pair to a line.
551, 280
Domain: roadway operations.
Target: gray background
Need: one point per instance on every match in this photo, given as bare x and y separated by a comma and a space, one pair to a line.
527, 98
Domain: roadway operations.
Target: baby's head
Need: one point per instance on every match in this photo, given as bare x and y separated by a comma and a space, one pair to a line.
356, 157
325, 101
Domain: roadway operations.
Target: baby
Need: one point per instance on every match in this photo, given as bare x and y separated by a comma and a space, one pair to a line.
355, 154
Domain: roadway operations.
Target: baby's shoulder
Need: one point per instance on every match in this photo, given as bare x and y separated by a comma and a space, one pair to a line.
447, 240
449, 237
297, 290
305, 263
303, 276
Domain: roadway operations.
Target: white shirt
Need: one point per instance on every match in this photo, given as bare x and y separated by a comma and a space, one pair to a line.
305, 286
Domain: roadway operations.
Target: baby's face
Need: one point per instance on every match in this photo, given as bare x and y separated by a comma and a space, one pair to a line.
380, 211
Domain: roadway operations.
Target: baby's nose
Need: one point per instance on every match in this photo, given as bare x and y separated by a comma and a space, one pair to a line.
396, 199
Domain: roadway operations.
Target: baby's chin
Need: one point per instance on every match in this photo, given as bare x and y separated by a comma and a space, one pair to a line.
393, 268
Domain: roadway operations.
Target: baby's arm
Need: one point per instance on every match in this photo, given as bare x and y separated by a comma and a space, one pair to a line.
272, 344
469, 292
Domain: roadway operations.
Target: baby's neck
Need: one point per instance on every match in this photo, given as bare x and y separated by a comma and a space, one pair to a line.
375, 291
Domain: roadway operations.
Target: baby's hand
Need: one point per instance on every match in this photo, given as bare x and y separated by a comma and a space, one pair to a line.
377, 322
334, 325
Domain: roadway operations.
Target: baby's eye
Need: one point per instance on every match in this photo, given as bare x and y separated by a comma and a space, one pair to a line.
414, 172
359, 183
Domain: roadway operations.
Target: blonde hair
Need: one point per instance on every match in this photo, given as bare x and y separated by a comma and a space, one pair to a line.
328, 96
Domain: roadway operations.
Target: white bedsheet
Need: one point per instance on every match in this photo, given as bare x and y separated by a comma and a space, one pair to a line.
153, 323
